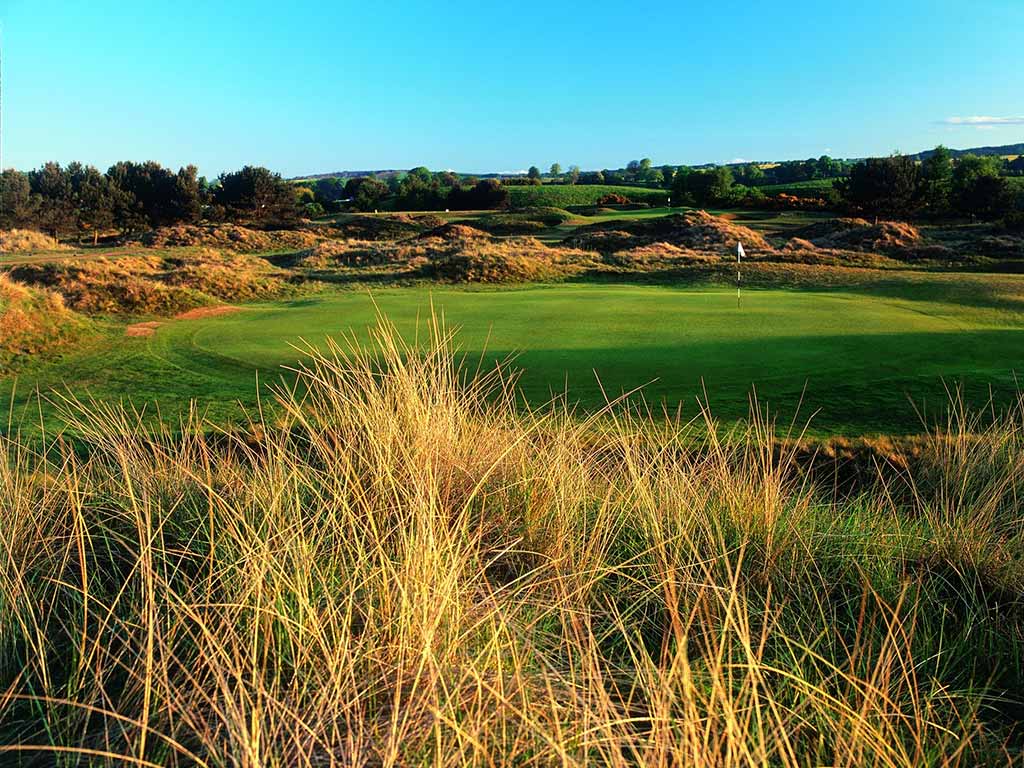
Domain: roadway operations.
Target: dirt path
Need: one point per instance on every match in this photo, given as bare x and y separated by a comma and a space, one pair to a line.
149, 327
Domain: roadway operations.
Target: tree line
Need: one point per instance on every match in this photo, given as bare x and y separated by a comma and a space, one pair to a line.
940, 186
891, 187
77, 199
419, 189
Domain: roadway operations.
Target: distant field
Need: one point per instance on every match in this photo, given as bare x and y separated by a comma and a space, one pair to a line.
813, 188
562, 195
854, 358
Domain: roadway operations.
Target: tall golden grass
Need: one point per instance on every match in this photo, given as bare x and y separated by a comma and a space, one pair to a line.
409, 568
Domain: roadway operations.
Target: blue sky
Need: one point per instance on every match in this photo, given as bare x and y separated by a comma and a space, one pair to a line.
306, 87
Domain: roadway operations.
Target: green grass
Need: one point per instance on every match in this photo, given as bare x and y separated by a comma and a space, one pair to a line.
853, 357
812, 188
562, 195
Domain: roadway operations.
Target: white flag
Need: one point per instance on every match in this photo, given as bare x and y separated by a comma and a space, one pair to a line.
740, 253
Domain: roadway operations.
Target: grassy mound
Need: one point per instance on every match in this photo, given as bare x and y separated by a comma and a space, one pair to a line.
860, 234
386, 227
453, 233
343, 253
694, 229
1000, 246
408, 569
483, 260
229, 237
27, 241
659, 255
157, 285
527, 222
33, 322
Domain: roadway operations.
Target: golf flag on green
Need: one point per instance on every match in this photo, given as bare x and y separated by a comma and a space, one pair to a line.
740, 253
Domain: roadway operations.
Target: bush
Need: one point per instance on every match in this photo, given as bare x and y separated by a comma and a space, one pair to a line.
1013, 222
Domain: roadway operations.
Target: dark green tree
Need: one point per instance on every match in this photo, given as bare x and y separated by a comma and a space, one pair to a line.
57, 212
18, 207
258, 195
366, 192
421, 173
886, 186
937, 178
979, 190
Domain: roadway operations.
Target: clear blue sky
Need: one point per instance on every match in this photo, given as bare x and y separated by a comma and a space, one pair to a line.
306, 87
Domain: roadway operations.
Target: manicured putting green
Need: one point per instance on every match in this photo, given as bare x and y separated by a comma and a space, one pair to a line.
859, 363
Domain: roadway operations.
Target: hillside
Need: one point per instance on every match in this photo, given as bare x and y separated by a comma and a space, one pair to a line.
1000, 151
1006, 149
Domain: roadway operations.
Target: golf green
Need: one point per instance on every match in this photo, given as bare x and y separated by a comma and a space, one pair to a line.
850, 362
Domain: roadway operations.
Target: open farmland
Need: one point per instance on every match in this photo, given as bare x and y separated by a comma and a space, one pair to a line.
563, 195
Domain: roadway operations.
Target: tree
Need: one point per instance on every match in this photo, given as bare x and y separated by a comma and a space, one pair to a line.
17, 205
449, 179
613, 177
57, 210
937, 178
187, 199
417, 193
644, 171
681, 190
886, 186
533, 173
257, 194
667, 174
556, 170
96, 199
826, 168
979, 190
329, 193
366, 192
702, 187
750, 174
719, 186
573, 176
304, 195
421, 173
592, 177
485, 194
156, 196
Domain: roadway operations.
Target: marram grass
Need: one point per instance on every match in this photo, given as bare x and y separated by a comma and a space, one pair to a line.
407, 569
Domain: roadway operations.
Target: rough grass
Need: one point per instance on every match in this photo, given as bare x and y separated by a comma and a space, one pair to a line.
526, 222
229, 237
33, 322
27, 241
693, 230
385, 227
160, 285
406, 570
452, 252
862, 234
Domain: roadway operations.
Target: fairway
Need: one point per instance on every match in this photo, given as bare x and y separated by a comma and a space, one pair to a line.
854, 360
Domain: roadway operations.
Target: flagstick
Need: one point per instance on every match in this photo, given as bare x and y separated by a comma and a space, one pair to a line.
739, 255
